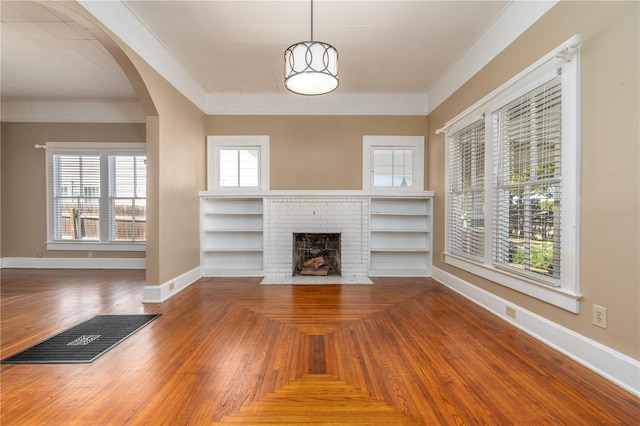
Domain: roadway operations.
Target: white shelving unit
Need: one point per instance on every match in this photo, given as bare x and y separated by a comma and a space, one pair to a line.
232, 238
401, 235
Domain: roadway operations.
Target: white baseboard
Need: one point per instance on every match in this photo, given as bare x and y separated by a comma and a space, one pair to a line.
620, 369
160, 293
73, 262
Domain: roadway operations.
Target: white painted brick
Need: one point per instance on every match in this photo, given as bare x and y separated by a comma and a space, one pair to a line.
285, 216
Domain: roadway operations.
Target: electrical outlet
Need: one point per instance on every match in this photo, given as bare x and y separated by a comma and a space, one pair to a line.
600, 316
172, 286
511, 312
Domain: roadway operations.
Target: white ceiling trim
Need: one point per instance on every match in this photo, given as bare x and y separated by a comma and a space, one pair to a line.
118, 18
72, 112
333, 104
515, 20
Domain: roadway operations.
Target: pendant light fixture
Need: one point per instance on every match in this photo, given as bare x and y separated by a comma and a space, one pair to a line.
311, 67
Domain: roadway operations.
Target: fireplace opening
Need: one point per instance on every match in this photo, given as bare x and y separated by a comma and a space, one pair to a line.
316, 254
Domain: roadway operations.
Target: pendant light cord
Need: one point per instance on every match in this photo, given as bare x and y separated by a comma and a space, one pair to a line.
311, 20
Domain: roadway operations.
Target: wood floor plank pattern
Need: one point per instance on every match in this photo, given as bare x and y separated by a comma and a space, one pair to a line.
230, 351
317, 398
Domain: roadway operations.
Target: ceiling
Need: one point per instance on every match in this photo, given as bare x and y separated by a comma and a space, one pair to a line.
48, 56
236, 47
383, 46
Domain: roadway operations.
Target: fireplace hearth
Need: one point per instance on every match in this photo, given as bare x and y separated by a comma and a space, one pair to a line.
316, 254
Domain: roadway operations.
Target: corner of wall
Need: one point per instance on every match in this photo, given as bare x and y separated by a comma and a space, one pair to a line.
168, 289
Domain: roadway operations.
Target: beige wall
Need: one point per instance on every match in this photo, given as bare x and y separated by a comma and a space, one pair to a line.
176, 148
1, 220
181, 175
609, 244
316, 152
176, 158
24, 229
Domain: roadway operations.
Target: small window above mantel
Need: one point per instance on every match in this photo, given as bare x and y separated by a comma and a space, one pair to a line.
393, 163
238, 163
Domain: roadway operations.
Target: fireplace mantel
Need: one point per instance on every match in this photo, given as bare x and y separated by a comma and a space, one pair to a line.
319, 193
250, 233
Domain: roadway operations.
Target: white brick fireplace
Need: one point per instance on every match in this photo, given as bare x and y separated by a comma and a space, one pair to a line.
252, 234
286, 215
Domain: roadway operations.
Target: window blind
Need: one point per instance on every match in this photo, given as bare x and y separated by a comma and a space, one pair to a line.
127, 197
76, 197
466, 191
527, 144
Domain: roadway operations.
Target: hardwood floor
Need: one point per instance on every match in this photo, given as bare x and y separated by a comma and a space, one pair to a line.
230, 351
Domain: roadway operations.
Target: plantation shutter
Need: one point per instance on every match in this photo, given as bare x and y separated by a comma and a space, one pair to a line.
527, 146
76, 197
127, 197
466, 191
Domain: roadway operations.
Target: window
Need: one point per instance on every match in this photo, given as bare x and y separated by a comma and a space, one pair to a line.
393, 163
239, 167
466, 191
238, 162
392, 167
127, 197
527, 195
96, 196
76, 197
512, 182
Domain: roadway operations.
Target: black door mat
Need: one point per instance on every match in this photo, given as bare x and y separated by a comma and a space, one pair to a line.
84, 342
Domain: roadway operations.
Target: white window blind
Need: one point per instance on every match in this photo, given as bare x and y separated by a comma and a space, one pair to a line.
127, 197
96, 196
466, 191
76, 197
512, 206
528, 190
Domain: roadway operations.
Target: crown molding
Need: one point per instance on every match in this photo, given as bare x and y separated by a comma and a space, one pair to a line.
330, 104
120, 20
517, 17
72, 112
514, 20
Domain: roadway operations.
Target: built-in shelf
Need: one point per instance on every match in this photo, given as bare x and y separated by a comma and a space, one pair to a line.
400, 242
232, 236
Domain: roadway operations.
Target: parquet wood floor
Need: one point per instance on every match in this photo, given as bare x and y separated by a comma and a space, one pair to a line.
229, 351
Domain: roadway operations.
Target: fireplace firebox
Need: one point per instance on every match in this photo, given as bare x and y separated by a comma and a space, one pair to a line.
316, 254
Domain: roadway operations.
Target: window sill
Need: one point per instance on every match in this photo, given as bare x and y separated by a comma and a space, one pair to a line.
553, 295
236, 189
95, 246
395, 189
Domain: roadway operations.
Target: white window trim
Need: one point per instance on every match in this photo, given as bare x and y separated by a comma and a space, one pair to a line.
215, 143
567, 294
108, 148
414, 142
